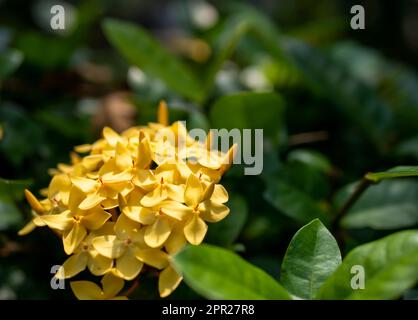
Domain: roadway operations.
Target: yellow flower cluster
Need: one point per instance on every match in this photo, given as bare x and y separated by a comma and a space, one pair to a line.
134, 199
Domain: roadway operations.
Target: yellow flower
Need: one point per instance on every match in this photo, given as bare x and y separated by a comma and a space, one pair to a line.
86, 256
165, 178
105, 189
202, 203
169, 279
122, 246
86, 290
74, 222
37, 211
132, 199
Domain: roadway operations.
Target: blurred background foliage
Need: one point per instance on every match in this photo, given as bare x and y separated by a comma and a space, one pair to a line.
334, 104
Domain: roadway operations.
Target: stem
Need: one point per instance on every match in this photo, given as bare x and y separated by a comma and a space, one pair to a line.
132, 288
361, 187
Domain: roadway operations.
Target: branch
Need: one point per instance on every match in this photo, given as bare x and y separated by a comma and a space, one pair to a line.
132, 288
341, 233
361, 187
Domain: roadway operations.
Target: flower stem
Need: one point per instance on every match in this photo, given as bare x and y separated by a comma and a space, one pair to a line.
360, 188
132, 288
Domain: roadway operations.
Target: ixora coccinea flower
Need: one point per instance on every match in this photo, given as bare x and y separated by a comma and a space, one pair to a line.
132, 200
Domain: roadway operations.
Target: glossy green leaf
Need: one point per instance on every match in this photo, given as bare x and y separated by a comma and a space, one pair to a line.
9, 61
310, 157
225, 232
217, 273
13, 188
389, 205
225, 45
140, 49
312, 256
242, 111
397, 172
10, 215
354, 99
32, 44
18, 128
305, 177
390, 267
293, 202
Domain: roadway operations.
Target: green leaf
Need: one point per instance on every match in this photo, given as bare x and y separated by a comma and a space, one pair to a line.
227, 42
390, 267
354, 99
32, 45
18, 128
312, 256
13, 189
9, 61
397, 172
293, 202
10, 215
198, 120
310, 157
242, 111
392, 204
216, 273
304, 177
225, 232
139, 48
408, 148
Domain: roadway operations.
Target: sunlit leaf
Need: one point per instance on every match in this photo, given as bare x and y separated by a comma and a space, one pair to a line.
390, 267
217, 273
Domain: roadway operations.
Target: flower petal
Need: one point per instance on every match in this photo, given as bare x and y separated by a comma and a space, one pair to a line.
83, 148
112, 178
33, 202
92, 200
153, 257
168, 281
98, 264
73, 238
84, 184
59, 185
124, 227
219, 195
75, 198
157, 233
175, 192
139, 214
128, 266
175, 209
61, 222
144, 152
91, 162
154, 197
94, 220
72, 266
111, 136
211, 211
111, 285
194, 191
122, 157
176, 240
109, 246
27, 228
86, 290
162, 113
195, 230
